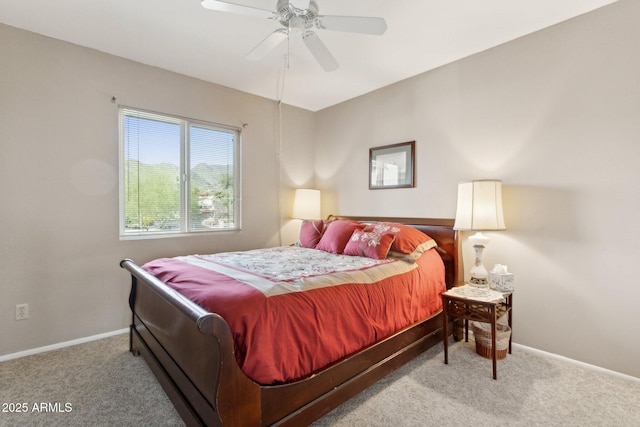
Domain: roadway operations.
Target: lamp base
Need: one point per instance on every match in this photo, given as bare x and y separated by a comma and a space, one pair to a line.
480, 282
479, 274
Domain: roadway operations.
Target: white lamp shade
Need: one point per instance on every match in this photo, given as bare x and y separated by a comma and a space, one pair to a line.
479, 206
306, 204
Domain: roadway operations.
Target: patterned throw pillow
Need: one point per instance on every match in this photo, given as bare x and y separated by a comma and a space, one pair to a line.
408, 244
370, 244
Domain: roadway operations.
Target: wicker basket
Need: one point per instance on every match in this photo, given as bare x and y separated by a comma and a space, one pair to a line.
482, 335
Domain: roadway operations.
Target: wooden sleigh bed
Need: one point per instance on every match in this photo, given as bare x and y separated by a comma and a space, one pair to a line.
191, 352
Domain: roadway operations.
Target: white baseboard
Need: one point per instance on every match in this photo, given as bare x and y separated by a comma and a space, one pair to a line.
572, 361
62, 345
577, 363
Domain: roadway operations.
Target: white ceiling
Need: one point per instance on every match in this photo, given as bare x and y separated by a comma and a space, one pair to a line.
181, 36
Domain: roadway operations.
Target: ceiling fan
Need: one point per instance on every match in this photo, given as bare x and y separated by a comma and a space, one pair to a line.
301, 16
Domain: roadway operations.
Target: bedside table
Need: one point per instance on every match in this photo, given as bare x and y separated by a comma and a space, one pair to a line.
476, 308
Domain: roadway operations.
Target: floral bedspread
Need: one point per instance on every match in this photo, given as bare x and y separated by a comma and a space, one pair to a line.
302, 269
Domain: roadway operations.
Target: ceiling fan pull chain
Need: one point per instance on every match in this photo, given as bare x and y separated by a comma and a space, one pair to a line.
288, 55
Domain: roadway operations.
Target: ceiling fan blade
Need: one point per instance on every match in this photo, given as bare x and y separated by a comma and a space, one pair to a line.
352, 24
267, 45
225, 6
320, 51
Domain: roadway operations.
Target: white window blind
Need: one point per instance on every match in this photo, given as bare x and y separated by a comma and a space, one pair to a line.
177, 175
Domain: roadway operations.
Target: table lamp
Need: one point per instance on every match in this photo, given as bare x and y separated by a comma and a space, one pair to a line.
479, 208
306, 204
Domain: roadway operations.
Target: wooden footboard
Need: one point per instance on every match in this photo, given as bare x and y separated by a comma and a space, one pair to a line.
191, 352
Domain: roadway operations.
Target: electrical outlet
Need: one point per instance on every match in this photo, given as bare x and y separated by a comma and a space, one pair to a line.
22, 311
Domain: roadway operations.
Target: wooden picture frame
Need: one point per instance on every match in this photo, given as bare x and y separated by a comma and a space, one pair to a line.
392, 166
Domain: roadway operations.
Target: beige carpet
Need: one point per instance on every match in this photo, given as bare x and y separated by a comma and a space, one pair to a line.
102, 384
531, 390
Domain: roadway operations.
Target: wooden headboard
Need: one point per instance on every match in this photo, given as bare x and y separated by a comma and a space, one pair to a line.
440, 229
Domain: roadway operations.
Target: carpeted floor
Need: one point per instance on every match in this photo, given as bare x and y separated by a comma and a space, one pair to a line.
531, 390
102, 384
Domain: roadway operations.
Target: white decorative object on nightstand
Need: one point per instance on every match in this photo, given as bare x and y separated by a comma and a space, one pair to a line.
500, 279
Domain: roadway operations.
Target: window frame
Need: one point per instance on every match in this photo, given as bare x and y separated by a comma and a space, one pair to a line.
184, 175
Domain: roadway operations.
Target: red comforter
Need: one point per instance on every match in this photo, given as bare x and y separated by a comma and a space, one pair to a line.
290, 318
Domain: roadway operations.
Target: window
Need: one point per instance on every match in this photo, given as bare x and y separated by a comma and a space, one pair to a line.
177, 175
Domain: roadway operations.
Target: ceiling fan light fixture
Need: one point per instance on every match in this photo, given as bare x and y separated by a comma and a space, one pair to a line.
301, 16
287, 11
298, 23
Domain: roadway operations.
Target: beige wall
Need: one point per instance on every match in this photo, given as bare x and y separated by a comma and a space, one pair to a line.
59, 249
555, 115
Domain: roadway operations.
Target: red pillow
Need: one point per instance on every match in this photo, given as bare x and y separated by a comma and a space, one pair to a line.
370, 244
337, 235
311, 233
407, 240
